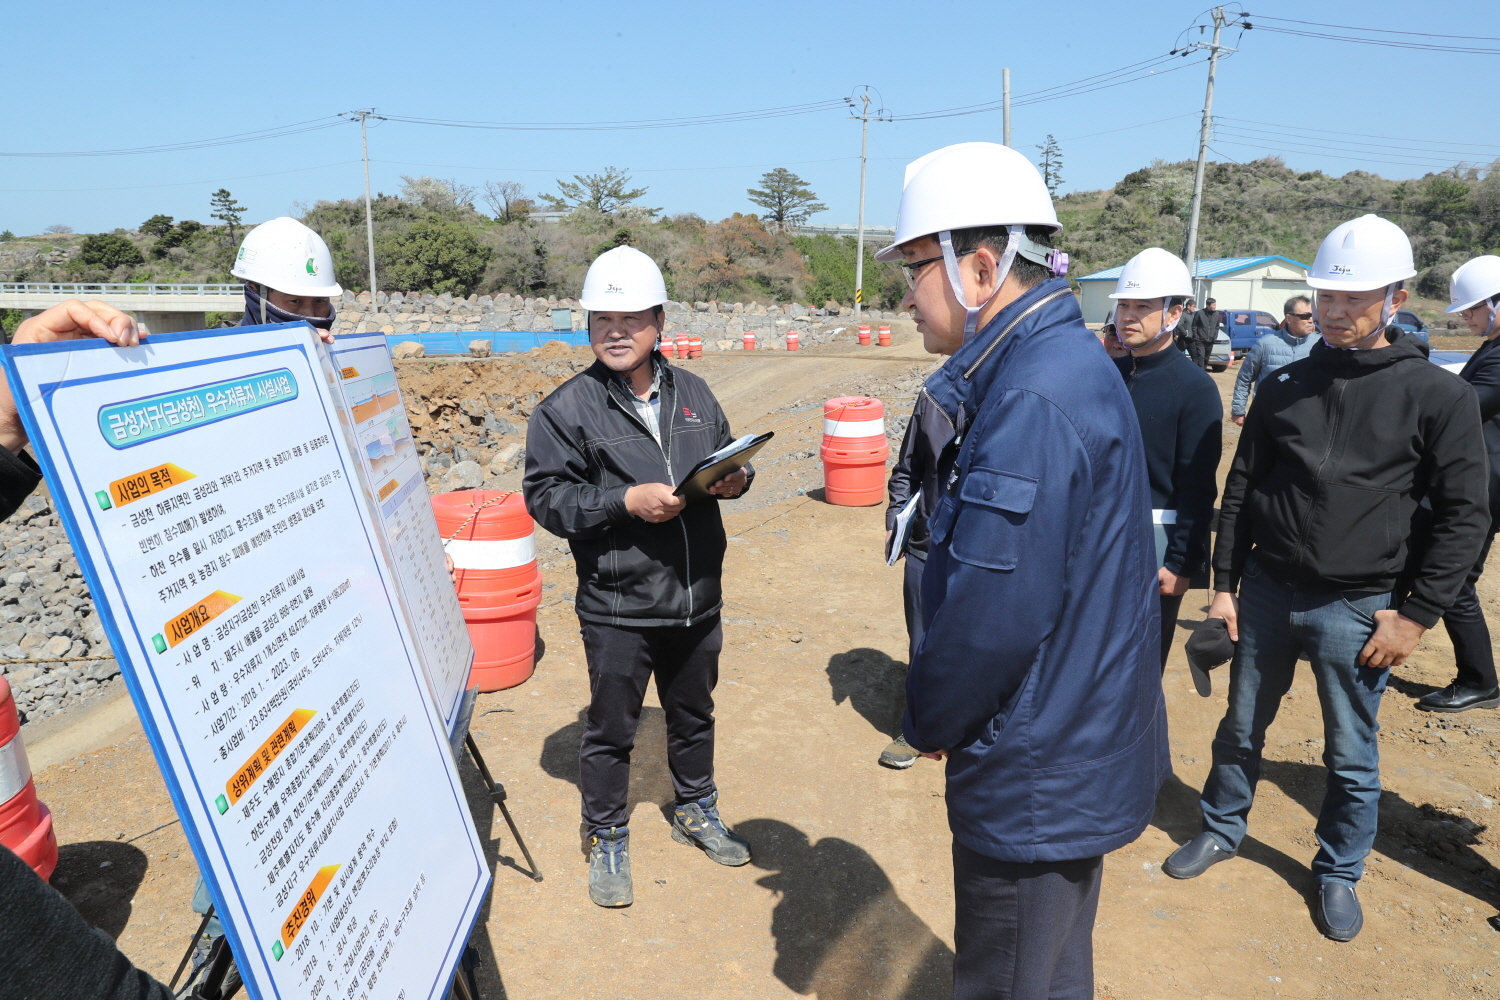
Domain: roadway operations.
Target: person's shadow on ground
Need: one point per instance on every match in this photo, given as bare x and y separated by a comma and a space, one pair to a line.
100, 878
841, 931
874, 685
650, 780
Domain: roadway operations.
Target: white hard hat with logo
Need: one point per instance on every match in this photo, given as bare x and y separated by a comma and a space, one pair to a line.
1153, 273
968, 186
285, 255
1474, 282
623, 280
1362, 255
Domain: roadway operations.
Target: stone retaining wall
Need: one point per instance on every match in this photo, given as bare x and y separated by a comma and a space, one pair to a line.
721, 324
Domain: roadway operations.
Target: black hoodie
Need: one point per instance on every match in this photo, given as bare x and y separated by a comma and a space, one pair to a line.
1360, 471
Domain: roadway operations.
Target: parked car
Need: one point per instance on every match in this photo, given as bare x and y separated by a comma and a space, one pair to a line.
1410, 322
1222, 355
1453, 361
1245, 326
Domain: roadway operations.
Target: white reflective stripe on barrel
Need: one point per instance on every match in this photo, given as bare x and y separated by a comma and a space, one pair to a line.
15, 770
502, 554
1163, 517
854, 428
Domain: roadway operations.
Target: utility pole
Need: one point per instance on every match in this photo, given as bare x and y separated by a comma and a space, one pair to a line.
864, 117
1190, 251
1005, 76
369, 216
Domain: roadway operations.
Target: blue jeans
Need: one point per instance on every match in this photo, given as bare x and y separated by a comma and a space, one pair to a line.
1276, 624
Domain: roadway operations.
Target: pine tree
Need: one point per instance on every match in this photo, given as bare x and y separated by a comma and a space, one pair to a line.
225, 210
1051, 165
786, 198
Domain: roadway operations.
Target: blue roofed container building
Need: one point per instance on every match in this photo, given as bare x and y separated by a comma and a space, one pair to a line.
1260, 283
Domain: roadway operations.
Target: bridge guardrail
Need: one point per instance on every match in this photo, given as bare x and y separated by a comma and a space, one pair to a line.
79, 289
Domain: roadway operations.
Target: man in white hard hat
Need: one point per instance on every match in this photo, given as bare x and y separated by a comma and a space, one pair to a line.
1474, 293
1181, 419
1354, 509
604, 453
1037, 674
1291, 341
288, 276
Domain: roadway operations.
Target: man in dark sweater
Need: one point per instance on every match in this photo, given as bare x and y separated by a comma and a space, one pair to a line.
47, 951
1181, 417
1354, 510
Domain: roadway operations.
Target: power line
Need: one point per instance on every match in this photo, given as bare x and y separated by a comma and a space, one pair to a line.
298, 128
1383, 31
1394, 43
644, 123
1321, 134
1339, 154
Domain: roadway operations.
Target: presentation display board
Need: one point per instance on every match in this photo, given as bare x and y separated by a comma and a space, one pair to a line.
215, 503
392, 473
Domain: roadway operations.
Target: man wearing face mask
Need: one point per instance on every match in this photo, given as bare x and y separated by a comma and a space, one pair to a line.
1356, 506
288, 275
1181, 419
1037, 674
604, 452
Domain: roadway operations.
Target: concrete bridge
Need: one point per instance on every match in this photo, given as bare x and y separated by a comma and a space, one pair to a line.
159, 308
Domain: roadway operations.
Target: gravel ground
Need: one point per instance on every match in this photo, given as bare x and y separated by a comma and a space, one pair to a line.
48, 628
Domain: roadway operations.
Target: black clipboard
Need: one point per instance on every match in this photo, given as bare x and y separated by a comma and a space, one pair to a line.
721, 463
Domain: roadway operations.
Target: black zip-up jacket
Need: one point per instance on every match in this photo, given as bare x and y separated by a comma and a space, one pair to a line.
585, 447
927, 433
1359, 471
1482, 371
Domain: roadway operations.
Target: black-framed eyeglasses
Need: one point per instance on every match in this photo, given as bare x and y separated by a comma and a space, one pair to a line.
910, 270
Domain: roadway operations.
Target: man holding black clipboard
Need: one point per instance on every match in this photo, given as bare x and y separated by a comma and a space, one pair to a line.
605, 455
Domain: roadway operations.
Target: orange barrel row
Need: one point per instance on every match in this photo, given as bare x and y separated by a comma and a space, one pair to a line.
25, 823
854, 451
490, 538
667, 346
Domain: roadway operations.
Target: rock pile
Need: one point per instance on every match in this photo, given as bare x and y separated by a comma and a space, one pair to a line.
408, 313
53, 650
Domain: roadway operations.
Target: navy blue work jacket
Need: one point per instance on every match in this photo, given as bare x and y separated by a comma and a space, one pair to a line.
1039, 670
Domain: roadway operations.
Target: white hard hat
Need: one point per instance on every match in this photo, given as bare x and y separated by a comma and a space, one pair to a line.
285, 255
968, 185
1153, 273
623, 280
1362, 255
1474, 282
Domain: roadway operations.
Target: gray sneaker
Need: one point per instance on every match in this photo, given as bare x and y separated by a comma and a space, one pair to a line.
898, 755
609, 867
698, 823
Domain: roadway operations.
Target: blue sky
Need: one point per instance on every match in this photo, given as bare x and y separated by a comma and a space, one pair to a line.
113, 75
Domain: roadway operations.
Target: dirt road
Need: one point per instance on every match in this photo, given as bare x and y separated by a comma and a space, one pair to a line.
849, 894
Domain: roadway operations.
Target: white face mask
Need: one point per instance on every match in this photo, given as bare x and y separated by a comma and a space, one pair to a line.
955, 281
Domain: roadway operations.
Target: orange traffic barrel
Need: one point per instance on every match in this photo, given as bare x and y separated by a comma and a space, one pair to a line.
667, 347
749, 341
854, 451
884, 336
864, 335
25, 823
695, 344
684, 347
491, 540
793, 341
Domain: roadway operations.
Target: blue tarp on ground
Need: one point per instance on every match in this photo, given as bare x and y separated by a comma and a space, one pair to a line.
501, 341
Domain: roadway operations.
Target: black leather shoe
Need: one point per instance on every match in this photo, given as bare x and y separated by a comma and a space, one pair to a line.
1196, 857
1338, 914
1457, 698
